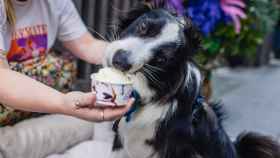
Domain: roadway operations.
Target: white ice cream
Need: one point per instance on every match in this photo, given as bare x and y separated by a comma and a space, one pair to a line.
111, 75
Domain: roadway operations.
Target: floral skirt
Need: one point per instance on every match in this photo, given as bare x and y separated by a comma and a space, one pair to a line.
56, 71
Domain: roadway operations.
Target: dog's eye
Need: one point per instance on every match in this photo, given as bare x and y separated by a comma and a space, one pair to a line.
143, 28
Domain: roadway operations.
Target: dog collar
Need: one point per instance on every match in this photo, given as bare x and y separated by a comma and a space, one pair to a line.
135, 106
197, 106
137, 103
198, 102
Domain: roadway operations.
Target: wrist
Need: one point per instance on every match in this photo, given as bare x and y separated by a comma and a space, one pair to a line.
62, 105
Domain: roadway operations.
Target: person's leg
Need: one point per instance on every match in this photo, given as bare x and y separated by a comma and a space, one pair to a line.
37, 138
89, 149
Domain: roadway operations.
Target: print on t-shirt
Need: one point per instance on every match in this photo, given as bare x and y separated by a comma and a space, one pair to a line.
28, 42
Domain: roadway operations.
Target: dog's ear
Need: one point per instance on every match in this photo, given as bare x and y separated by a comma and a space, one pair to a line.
193, 82
192, 34
190, 89
129, 17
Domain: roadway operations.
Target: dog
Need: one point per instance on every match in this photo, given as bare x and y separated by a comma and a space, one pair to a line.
171, 120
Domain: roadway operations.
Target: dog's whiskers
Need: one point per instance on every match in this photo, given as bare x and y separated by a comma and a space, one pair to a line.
153, 72
151, 69
154, 67
111, 36
151, 76
117, 36
98, 34
114, 35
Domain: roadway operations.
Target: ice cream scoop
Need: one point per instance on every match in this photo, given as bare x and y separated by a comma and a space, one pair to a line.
112, 87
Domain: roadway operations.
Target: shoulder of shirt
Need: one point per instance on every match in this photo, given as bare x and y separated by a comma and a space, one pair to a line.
58, 4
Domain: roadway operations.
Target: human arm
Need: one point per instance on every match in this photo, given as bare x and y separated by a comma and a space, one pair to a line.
87, 48
74, 35
21, 92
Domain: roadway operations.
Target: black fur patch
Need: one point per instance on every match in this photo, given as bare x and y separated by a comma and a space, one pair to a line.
117, 143
254, 145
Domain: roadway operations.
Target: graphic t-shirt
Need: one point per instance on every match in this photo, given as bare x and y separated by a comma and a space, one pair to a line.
28, 42
39, 23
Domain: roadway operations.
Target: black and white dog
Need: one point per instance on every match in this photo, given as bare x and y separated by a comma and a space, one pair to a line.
156, 48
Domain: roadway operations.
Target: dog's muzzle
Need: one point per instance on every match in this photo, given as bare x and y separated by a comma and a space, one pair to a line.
121, 60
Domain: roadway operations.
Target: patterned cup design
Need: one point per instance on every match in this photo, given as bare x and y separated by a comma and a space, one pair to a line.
111, 94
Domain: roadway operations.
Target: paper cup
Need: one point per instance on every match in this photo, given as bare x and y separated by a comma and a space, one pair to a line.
111, 94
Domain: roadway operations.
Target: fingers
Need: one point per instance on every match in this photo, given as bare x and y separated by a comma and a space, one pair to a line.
115, 113
86, 100
93, 115
99, 114
92, 100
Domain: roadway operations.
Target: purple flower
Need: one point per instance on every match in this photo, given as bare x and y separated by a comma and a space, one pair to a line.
206, 14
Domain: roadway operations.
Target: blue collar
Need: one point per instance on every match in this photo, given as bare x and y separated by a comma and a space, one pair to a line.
137, 103
199, 101
135, 106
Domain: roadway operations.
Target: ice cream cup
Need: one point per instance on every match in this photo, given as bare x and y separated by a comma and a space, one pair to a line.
110, 92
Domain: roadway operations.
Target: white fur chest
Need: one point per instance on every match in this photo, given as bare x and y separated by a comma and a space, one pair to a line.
141, 128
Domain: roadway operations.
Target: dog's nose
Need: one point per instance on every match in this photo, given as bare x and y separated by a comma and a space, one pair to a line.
120, 60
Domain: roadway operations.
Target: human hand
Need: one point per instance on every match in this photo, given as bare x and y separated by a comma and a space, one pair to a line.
82, 105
